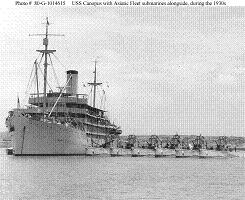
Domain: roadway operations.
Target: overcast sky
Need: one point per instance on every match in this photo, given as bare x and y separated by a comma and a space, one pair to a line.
168, 69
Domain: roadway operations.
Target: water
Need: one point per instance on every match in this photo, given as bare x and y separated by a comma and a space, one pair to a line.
79, 177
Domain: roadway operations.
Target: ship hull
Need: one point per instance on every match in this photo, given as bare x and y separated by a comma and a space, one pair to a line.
32, 137
204, 153
120, 152
139, 152
97, 151
185, 153
164, 152
239, 154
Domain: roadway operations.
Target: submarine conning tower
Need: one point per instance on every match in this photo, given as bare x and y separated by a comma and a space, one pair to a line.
71, 87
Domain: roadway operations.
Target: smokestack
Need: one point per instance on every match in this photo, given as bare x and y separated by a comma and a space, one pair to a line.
71, 87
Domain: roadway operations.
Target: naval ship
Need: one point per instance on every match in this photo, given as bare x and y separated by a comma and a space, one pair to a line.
59, 123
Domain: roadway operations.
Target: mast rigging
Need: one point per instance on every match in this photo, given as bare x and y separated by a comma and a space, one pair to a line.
45, 52
94, 84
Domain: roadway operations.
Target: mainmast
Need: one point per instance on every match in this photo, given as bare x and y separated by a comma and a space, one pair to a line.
94, 84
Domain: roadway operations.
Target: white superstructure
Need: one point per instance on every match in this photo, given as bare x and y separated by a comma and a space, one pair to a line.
59, 123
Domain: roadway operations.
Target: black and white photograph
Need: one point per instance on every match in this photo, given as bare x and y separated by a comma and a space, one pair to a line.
122, 100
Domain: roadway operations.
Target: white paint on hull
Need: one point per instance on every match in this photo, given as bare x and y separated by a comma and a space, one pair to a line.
163, 152
204, 153
33, 137
93, 151
120, 152
137, 152
239, 154
184, 153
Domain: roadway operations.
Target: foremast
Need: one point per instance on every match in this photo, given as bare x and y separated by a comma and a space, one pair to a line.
36, 74
46, 52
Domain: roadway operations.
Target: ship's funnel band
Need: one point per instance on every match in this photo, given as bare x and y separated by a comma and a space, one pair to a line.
72, 84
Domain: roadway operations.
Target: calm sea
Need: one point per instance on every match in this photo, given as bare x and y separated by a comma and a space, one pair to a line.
79, 177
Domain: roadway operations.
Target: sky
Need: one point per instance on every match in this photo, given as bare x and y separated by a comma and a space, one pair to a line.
164, 69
